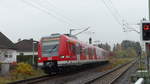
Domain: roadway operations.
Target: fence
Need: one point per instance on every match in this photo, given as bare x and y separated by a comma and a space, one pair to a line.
27, 59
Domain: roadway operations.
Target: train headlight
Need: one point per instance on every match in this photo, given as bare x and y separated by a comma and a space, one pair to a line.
62, 56
39, 58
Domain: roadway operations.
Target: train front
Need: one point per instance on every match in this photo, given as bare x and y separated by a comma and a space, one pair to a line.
48, 52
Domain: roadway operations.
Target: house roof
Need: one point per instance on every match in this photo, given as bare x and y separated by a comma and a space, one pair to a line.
26, 45
5, 43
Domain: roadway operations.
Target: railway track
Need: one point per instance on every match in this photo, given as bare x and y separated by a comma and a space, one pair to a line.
108, 77
33, 80
54, 76
111, 76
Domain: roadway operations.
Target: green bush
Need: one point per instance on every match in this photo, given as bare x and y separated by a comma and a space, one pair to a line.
23, 69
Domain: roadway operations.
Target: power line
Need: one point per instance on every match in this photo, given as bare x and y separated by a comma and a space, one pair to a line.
124, 22
34, 5
56, 12
110, 10
114, 12
117, 12
115, 9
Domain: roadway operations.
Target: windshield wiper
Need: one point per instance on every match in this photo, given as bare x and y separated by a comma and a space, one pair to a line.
53, 48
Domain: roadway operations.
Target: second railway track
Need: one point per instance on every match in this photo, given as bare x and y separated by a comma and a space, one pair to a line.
111, 76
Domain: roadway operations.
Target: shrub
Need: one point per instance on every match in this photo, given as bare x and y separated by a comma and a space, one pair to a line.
22, 69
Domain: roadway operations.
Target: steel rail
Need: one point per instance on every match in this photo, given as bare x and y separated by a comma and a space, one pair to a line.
32, 80
112, 75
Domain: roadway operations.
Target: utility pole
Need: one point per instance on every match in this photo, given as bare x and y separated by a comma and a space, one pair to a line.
147, 46
146, 40
32, 51
149, 8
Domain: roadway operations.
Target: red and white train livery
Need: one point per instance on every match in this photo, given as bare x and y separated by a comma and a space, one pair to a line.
58, 51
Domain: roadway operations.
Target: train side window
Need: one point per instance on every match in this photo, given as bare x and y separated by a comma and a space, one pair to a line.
86, 51
81, 50
73, 49
78, 48
103, 53
92, 51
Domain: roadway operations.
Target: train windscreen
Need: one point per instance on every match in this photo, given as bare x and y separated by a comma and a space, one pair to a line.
50, 47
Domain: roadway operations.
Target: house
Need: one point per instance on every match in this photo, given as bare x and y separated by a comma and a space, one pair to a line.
27, 51
7, 50
27, 47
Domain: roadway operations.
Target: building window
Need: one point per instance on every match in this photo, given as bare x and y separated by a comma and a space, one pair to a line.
10, 56
6, 56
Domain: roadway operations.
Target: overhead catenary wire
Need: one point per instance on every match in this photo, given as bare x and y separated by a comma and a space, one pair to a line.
125, 23
117, 13
117, 16
45, 10
115, 9
112, 13
55, 10
58, 9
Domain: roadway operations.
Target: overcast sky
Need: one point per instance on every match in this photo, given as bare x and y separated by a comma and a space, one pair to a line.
27, 19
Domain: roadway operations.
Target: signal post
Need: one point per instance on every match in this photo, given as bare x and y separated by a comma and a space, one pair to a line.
145, 39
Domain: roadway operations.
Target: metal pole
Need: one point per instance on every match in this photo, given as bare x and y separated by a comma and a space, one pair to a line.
70, 32
149, 8
147, 45
147, 51
33, 52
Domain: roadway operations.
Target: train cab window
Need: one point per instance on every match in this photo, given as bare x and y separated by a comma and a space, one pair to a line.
50, 48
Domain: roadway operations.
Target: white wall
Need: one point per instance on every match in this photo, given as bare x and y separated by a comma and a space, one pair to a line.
8, 55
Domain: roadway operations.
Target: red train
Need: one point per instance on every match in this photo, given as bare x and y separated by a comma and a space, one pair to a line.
57, 51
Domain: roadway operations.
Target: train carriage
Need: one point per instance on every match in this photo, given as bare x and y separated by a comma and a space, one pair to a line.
58, 51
